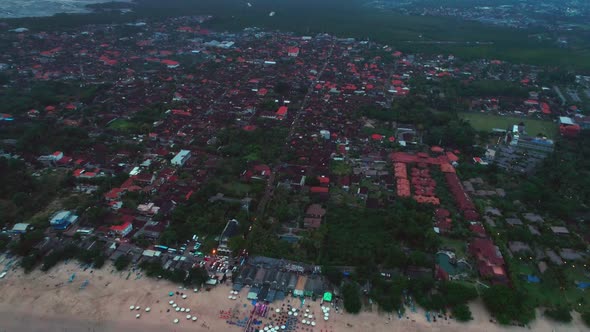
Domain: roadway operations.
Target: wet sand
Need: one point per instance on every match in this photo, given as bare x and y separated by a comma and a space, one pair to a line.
48, 302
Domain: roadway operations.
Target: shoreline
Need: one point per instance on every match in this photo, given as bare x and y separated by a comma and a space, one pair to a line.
48, 302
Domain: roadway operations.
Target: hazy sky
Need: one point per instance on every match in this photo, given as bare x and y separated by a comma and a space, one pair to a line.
22, 8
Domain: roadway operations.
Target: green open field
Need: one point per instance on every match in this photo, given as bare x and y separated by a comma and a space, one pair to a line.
547, 293
121, 125
487, 122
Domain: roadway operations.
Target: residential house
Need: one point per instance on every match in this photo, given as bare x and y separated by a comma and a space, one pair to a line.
314, 216
559, 230
123, 229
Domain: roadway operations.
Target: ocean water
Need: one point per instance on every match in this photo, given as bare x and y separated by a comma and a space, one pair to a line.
27, 8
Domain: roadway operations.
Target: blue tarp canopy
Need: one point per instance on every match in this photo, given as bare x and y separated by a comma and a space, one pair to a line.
533, 279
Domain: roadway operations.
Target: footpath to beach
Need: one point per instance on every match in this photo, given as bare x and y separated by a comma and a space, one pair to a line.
50, 302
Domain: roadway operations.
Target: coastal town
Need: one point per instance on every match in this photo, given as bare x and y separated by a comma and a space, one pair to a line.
287, 169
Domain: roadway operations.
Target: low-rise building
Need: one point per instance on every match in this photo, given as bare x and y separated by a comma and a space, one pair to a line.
20, 228
123, 229
62, 220
181, 158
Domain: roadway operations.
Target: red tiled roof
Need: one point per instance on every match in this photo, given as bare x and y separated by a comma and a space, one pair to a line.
452, 156
120, 228
170, 62
376, 137
319, 190
478, 229
324, 179
436, 149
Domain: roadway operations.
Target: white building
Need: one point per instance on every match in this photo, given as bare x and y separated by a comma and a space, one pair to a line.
20, 228
181, 158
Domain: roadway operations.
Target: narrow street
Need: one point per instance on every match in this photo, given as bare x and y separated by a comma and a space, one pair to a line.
271, 181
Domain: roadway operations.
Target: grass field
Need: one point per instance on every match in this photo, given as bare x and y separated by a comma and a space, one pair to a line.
121, 125
459, 246
487, 122
546, 294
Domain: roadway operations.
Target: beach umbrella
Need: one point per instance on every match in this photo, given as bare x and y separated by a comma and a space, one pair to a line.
194, 318
181, 309
177, 309
290, 313
138, 315
188, 310
195, 290
148, 309
306, 310
229, 297
310, 317
312, 323
171, 294
278, 310
174, 305
137, 308
176, 321
325, 317
295, 314
132, 307
188, 316
303, 321
171, 302
184, 296
283, 327
266, 328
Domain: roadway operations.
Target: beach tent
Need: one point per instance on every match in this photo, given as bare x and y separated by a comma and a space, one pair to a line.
253, 293
328, 297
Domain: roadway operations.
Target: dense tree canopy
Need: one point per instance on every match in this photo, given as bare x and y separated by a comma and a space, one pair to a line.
507, 304
562, 184
382, 231
122, 262
559, 314
351, 296
462, 313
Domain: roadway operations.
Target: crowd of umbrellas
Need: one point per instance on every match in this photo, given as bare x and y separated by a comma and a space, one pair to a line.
287, 318
175, 307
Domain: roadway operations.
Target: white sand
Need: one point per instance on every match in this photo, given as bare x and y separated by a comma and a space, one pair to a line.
47, 302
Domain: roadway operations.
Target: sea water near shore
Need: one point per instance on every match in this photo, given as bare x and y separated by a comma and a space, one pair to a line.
49, 302
30, 8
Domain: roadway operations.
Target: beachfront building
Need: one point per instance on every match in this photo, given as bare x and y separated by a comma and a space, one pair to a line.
62, 220
181, 158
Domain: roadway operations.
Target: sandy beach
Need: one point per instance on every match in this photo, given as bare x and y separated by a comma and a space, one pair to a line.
49, 302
